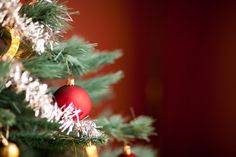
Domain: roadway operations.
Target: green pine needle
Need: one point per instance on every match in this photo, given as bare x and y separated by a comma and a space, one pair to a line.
44, 68
99, 87
81, 56
139, 128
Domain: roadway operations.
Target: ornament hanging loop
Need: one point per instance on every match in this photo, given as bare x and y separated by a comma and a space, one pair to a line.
4, 140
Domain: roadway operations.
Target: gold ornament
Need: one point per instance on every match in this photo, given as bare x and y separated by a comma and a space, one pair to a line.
14, 46
24, 52
9, 150
92, 151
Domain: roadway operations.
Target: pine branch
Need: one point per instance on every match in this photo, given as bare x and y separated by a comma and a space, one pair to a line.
81, 57
14, 101
54, 15
98, 59
76, 55
139, 128
99, 87
39, 133
142, 151
44, 68
52, 139
41, 124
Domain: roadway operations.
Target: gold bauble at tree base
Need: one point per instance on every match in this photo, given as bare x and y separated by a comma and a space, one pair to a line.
10, 150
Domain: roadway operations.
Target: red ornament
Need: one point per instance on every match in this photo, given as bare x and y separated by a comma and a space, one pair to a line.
127, 152
71, 93
130, 155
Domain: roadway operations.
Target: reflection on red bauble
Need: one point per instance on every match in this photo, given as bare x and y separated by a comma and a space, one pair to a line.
71, 93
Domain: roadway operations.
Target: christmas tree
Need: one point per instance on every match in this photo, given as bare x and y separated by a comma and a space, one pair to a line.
54, 120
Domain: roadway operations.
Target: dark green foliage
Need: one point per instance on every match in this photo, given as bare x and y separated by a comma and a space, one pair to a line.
53, 139
54, 15
139, 128
7, 118
38, 133
14, 101
4, 70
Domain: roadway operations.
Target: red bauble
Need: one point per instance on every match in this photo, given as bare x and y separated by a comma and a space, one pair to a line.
124, 155
71, 93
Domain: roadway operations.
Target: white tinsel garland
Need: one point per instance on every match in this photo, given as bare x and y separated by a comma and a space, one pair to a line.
40, 35
42, 104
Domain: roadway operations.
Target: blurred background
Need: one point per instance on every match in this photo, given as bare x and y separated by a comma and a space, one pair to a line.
179, 63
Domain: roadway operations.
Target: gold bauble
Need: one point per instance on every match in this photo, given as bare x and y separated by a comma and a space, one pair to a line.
14, 46
10, 150
91, 151
22, 54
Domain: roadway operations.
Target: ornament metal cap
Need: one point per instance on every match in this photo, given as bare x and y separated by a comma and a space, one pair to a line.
70, 81
127, 150
4, 140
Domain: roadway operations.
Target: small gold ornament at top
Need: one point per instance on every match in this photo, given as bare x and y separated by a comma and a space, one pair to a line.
91, 151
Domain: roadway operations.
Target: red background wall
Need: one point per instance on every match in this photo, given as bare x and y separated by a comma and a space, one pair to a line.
198, 70
179, 62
